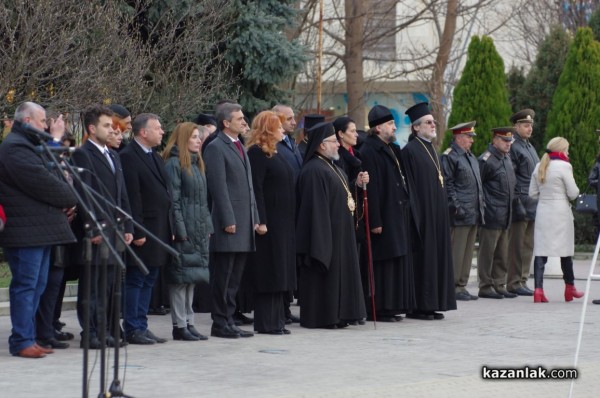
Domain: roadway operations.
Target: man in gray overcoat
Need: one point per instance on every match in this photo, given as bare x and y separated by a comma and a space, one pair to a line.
234, 216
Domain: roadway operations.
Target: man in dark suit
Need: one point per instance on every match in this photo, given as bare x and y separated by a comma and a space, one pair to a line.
234, 215
289, 150
106, 178
150, 202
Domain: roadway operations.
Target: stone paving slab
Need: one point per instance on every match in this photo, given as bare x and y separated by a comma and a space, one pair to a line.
406, 359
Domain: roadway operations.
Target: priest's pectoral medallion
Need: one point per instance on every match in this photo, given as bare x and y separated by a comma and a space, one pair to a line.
351, 204
441, 178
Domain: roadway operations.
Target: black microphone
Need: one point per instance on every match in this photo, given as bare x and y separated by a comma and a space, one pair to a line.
55, 149
42, 134
52, 165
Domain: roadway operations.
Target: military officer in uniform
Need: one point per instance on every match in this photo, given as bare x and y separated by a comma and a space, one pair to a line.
498, 181
524, 158
465, 203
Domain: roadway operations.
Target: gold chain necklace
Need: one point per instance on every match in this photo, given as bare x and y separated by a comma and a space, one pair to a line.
397, 164
436, 164
350, 200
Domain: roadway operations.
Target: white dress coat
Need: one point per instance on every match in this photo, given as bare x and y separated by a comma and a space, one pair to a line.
554, 233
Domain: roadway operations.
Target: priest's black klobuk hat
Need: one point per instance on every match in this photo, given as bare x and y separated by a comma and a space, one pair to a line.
379, 114
203, 119
417, 111
311, 120
316, 135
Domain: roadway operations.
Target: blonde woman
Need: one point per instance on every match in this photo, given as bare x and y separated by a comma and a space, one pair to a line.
552, 183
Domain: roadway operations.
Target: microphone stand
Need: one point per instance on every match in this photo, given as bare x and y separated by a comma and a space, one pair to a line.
106, 248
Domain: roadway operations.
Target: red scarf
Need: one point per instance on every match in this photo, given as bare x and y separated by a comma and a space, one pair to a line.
559, 156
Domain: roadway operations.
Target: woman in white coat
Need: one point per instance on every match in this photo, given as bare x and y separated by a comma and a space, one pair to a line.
552, 183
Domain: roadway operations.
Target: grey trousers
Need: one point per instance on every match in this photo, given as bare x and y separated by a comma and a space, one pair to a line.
492, 261
181, 298
520, 253
463, 244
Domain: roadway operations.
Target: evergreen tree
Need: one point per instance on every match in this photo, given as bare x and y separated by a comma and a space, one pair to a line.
481, 93
515, 79
261, 56
541, 81
575, 111
594, 23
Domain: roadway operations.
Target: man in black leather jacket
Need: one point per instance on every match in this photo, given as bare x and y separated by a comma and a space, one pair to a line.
498, 180
465, 203
524, 158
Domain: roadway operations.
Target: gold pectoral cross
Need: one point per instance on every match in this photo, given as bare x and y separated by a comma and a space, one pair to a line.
441, 178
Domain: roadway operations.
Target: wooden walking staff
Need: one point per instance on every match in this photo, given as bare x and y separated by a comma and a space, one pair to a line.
369, 255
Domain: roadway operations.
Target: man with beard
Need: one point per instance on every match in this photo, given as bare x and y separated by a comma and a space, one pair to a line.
389, 219
434, 273
330, 289
465, 203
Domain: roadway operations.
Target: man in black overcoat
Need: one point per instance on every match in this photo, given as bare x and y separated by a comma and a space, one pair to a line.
150, 201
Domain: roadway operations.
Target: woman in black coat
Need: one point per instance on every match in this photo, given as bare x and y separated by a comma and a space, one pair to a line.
193, 226
272, 268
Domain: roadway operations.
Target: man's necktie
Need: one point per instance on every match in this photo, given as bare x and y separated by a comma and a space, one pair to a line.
109, 159
238, 144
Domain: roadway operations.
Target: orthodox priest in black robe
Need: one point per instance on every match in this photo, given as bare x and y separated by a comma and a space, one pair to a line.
330, 288
389, 220
434, 272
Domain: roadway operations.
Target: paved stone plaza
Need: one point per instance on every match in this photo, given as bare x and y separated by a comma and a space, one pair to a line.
407, 359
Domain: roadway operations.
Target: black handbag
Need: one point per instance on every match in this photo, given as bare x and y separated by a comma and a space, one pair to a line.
586, 203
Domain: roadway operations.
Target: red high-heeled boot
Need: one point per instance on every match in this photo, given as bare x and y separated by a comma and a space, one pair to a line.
571, 291
539, 296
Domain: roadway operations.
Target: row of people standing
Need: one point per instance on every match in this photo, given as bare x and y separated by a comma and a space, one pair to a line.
499, 194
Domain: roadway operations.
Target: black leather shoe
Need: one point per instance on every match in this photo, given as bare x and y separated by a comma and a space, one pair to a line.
521, 291
63, 336
95, 343
152, 336
183, 334
224, 332
110, 341
463, 296
506, 293
437, 316
595, 301
420, 316
527, 288
273, 332
196, 333
361, 322
242, 333
293, 318
138, 337
491, 294
288, 321
471, 297
52, 343
241, 319
286, 331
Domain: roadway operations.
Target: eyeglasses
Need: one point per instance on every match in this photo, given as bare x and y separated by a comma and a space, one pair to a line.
333, 141
430, 122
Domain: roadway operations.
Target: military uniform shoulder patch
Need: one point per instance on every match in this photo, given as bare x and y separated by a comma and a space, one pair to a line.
486, 156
